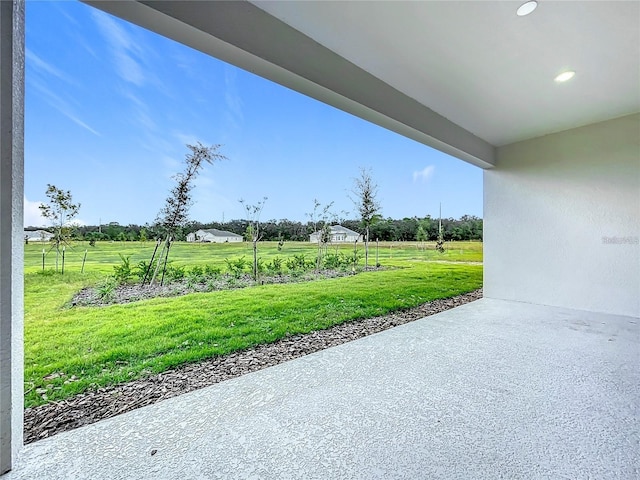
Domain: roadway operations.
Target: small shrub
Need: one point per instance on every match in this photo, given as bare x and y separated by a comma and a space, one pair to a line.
174, 273
195, 275
260, 264
332, 261
196, 271
107, 289
236, 267
212, 272
142, 268
275, 266
123, 272
299, 263
353, 260
211, 285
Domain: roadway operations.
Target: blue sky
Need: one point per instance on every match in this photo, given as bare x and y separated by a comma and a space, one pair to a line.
109, 108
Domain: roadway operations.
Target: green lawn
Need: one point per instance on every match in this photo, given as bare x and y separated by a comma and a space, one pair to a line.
106, 345
104, 255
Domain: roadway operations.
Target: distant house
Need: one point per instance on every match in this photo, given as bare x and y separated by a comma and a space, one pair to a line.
37, 236
339, 234
213, 235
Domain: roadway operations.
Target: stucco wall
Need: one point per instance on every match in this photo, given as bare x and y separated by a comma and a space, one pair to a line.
562, 219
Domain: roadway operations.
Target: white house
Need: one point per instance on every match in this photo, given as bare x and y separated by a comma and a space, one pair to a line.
339, 234
213, 235
37, 236
561, 169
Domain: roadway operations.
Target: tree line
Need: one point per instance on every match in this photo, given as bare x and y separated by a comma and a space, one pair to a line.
467, 227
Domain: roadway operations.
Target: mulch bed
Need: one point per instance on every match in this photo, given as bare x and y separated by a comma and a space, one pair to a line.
125, 293
55, 417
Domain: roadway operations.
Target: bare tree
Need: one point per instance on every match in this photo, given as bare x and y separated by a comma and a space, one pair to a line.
175, 212
364, 198
60, 210
321, 219
253, 230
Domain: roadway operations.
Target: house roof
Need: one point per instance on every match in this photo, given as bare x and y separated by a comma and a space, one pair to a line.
219, 233
38, 233
339, 229
462, 77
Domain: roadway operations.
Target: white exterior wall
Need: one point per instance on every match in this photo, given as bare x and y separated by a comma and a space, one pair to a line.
202, 236
227, 239
562, 219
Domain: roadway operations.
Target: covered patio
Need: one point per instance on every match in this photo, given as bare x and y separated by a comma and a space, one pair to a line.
539, 379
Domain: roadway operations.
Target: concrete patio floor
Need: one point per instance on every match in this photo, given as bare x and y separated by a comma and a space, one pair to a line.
492, 389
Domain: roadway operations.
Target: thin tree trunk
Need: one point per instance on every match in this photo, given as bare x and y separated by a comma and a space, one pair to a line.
255, 259
366, 249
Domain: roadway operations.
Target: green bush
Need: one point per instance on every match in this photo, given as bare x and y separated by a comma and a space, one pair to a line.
260, 264
212, 272
299, 263
174, 273
195, 275
143, 267
236, 267
123, 272
107, 289
338, 261
275, 266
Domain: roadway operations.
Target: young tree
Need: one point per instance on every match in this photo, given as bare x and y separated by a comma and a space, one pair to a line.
421, 236
320, 218
60, 211
440, 239
253, 232
175, 212
365, 192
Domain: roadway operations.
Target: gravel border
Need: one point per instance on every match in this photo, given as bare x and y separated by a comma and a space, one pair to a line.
55, 417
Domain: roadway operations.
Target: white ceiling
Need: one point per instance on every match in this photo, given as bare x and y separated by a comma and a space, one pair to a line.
479, 65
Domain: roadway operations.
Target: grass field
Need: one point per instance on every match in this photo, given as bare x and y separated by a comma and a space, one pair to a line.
95, 346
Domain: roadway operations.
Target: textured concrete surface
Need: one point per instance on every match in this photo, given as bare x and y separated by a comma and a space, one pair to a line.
492, 389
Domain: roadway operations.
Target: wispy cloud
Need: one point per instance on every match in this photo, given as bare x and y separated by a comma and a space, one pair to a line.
41, 66
61, 105
424, 175
64, 13
171, 166
79, 122
232, 98
187, 138
126, 52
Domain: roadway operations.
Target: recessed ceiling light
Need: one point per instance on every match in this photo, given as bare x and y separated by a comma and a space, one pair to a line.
526, 8
564, 76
